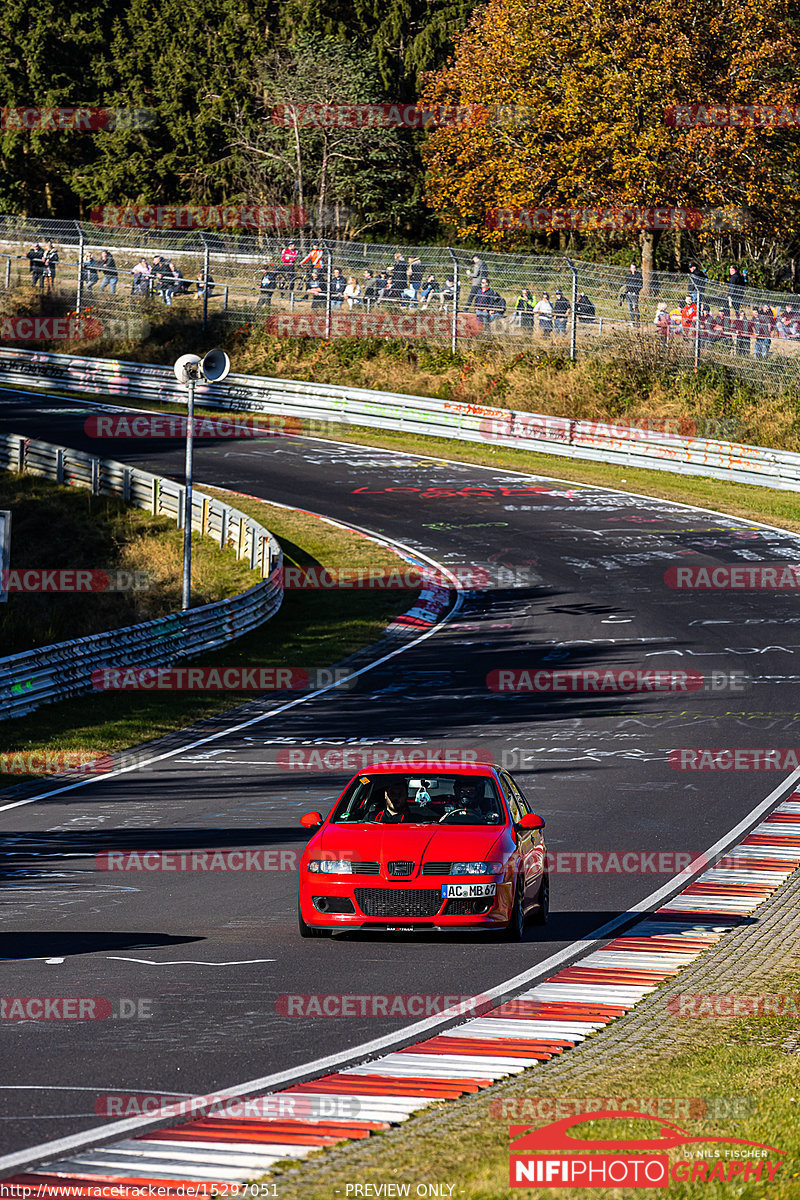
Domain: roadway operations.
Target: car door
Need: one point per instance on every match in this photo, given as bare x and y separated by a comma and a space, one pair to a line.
529, 841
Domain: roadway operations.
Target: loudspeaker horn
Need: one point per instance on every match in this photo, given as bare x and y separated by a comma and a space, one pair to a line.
215, 365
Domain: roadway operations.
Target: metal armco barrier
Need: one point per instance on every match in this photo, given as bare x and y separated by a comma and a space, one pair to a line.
323, 403
51, 673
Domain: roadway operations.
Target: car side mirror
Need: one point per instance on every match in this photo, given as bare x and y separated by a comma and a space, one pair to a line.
311, 820
530, 821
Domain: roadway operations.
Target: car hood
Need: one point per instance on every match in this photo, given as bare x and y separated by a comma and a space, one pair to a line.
420, 843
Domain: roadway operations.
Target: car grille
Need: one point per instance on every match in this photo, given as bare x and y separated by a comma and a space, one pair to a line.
405, 902
400, 867
475, 907
366, 868
435, 868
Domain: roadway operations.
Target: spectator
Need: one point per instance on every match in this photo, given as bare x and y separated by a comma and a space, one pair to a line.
288, 260
428, 289
315, 256
489, 304
369, 290
697, 280
317, 289
352, 293
478, 271
561, 307
585, 309
140, 284
166, 281
447, 296
662, 322
399, 278
689, 316
204, 287
110, 273
630, 292
90, 275
35, 257
50, 261
736, 283
338, 286
741, 330
414, 280
267, 285
544, 311
720, 327
762, 328
524, 314
384, 285
179, 285
786, 323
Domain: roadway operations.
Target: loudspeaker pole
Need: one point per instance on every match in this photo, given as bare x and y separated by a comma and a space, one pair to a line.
187, 508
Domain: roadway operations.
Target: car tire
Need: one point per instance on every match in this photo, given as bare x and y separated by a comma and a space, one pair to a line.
542, 910
516, 925
308, 931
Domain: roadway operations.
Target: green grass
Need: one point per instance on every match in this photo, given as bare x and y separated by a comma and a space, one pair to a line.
313, 629
69, 528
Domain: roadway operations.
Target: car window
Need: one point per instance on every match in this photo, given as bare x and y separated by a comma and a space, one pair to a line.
513, 797
420, 800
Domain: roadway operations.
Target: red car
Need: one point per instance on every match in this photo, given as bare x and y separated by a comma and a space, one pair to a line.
423, 848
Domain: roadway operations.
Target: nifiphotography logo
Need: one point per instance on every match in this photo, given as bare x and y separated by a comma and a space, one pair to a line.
632, 1162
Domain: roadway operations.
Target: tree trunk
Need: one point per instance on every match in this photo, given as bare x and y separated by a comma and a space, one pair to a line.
648, 242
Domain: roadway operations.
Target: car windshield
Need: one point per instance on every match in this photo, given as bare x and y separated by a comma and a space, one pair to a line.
430, 799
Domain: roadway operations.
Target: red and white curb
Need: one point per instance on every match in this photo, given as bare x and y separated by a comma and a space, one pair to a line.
535, 1026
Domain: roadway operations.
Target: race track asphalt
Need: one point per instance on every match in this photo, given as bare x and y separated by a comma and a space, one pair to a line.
207, 956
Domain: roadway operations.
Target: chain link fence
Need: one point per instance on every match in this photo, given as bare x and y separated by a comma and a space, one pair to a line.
326, 289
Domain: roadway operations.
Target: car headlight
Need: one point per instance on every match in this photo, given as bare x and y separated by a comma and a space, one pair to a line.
476, 868
331, 866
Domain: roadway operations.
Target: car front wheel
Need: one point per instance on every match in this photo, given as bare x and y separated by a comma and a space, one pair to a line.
542, 910
516, 925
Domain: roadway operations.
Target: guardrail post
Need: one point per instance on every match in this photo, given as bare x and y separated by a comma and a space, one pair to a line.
223, 527
95, 476
253, 548
155, 496
8, 271
60, 465
79, 297
21, 443
126, 484
697, 331
454, 331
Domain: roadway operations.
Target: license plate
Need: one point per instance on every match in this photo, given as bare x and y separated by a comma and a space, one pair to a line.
467, 891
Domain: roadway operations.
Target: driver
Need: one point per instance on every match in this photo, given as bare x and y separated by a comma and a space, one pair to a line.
468, 794
395, 803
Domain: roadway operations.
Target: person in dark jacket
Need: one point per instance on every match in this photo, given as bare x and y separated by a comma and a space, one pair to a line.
399, 277
35, 257
736, 285
338, 285
630, 292
110, 273
90, 275
267, 285
489, 304
50, 261
561, 307
697, 280
478, 272
584, 309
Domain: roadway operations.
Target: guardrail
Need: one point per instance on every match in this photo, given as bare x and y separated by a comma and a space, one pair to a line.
418, 415
51, 673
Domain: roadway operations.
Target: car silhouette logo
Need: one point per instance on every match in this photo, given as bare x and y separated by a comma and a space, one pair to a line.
528, 1138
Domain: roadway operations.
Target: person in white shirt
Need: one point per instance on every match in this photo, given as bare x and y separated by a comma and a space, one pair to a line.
352, 293
544, 311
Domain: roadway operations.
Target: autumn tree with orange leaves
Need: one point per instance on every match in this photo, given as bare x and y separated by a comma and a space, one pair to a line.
591, 82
